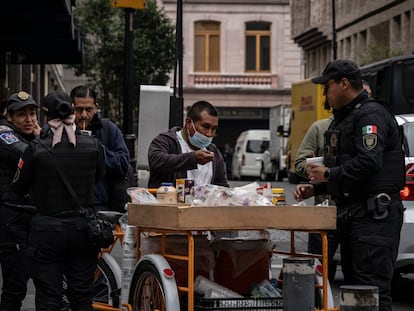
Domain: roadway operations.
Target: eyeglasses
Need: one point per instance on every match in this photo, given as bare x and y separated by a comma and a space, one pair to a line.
87, 109
327, 85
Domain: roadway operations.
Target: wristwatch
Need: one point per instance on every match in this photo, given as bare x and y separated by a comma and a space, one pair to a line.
327, 173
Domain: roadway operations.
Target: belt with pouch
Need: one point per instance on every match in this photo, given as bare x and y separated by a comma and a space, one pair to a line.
67, 214
375, 205
343, 201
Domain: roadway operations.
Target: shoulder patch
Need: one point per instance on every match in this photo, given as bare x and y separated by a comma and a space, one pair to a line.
369, 129
9, 138
369, 141
369, 136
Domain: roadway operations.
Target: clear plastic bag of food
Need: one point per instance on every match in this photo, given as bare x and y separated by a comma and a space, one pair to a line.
140, 195
212, 195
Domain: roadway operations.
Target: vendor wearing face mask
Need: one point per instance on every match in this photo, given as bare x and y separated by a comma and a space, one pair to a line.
188, 152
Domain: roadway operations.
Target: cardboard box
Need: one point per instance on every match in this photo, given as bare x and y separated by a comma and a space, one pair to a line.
242, 263
185, 217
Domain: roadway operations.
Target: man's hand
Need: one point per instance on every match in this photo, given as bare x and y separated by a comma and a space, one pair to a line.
302, 192
316, 173
204, 156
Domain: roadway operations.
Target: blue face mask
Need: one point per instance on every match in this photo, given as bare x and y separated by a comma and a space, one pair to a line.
199, 140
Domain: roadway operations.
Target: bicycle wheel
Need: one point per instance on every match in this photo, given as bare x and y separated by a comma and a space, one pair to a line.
147, 292
105, 289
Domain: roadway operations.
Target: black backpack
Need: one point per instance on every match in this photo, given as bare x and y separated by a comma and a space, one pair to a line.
117, 187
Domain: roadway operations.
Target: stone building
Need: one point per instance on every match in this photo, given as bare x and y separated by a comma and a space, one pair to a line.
366, 31
239, 55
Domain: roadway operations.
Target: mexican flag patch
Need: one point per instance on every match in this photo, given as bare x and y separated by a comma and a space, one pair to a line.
369, 129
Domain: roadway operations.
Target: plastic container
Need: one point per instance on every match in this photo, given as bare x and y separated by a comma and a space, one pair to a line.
278, 196
212, 289
167, 193
185, 190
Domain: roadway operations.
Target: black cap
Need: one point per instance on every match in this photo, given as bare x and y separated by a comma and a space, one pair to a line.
57, 105
20, 100
340, 68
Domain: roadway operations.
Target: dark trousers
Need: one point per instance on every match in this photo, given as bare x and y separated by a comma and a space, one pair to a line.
13, 231
369, 248
60, 247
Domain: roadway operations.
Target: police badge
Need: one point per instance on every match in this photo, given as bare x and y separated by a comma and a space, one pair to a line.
23, 95
369, 141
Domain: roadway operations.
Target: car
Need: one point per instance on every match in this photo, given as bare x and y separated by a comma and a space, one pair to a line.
248, 153
405, 260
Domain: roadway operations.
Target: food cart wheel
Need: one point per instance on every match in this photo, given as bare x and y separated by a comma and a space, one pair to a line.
153, 285
107, 287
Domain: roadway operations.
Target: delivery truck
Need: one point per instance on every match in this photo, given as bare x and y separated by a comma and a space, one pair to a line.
274, 159
308, 105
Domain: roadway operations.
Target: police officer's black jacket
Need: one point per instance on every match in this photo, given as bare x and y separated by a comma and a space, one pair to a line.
364, 151
12, 145
82, 164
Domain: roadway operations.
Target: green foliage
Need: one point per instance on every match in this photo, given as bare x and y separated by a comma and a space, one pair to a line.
102, 32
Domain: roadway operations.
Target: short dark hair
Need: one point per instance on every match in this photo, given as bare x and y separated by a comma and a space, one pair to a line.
83, 91
356, 84
197, 108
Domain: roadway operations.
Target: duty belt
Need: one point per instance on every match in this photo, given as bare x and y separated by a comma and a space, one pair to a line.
361, 199
68, 214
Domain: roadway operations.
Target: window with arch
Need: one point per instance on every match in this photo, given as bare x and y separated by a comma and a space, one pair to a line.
258, 47
207, 46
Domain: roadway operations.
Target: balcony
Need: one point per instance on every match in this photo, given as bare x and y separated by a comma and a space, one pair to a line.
248, 80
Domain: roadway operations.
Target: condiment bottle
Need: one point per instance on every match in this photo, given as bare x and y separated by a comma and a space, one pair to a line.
167, 193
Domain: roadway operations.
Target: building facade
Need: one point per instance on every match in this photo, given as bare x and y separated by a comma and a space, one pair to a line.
238, 55
34, 36
365, 31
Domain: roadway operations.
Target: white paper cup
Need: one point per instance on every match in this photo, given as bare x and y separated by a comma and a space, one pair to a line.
315, 160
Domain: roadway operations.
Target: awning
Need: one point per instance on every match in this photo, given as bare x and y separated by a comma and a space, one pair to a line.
40, 32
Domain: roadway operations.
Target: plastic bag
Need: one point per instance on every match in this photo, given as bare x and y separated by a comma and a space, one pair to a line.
140, 195
212, 195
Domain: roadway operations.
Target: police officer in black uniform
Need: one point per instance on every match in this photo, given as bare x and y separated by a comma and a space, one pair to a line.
58, 239
364, 173
17, 128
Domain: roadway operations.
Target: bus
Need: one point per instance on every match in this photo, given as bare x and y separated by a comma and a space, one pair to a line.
392, 80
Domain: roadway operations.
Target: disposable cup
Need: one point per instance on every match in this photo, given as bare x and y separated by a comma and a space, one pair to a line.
315, 160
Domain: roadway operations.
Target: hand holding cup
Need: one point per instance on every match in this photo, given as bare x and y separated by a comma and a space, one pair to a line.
313, 167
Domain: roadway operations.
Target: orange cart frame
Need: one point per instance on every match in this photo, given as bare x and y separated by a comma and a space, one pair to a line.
181, 219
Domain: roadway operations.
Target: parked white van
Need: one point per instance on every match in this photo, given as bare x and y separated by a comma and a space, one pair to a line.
248, 153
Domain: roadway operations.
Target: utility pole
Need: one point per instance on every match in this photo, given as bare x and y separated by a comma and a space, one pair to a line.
128, 71
334, 46
177, 103
128, 91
